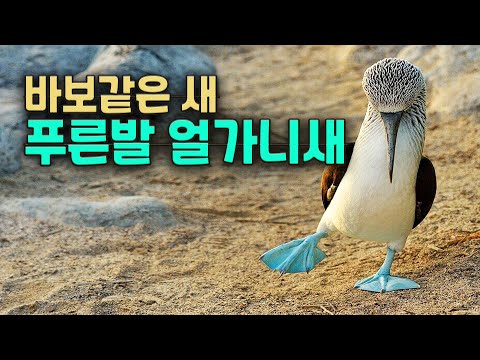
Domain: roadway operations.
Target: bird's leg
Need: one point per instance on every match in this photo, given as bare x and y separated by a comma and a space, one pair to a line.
382, 281
387, 264
296, 256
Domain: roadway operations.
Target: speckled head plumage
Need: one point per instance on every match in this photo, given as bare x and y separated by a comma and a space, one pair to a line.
393, 85
396, 94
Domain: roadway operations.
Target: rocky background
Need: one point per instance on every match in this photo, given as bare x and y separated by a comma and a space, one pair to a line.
165, 239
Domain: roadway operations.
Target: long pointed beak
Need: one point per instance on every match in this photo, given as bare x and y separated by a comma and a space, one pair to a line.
391, 122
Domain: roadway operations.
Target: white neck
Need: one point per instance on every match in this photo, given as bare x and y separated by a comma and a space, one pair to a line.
369, 159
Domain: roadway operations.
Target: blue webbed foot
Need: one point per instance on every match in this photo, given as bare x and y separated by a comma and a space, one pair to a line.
382, 281
385, 282
295, 256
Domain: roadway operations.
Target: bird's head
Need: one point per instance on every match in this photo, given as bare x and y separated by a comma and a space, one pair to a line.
392, 86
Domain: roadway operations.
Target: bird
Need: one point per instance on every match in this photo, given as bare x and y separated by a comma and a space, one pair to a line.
385, 187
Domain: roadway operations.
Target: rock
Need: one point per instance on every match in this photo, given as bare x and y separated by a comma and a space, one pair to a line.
122, 212
453, 79
174, 62
364, 55
11, 153
16, 61
12, 131
11, 102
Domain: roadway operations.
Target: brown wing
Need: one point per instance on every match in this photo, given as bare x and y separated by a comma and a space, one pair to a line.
425, 188
333, 174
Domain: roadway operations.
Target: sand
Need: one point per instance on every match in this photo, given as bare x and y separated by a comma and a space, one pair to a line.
227, 216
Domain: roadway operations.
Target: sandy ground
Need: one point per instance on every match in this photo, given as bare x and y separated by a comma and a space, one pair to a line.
229, 215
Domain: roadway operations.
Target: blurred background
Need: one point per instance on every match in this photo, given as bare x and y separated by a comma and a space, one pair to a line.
166, 239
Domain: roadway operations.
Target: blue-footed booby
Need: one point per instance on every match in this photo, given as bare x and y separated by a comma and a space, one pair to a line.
385, 188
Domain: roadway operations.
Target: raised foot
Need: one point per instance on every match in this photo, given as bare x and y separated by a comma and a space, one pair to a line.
384, 283
295, 256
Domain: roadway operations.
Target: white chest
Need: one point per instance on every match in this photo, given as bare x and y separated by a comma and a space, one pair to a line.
366, 205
